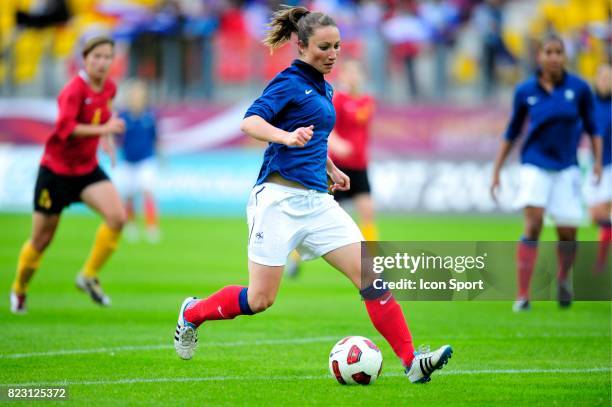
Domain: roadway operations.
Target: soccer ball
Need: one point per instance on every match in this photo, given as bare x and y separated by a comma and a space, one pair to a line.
355, 360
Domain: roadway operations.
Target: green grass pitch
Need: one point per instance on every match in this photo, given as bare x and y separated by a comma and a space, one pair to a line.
124, 354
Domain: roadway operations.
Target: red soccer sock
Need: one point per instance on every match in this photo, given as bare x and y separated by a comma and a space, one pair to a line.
227, 303
150, 211
387, 317
526, 256
129, 208
566, 254
605, 236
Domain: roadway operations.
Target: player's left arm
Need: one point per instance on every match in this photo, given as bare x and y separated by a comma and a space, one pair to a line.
597, 146
513, 131
341, 181
159, 152
587, 112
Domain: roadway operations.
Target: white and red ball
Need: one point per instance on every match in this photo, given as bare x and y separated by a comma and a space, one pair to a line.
355, 360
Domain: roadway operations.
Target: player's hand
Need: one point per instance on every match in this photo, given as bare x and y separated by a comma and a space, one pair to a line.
115, 125
300, 136
495, 183
597, 171
341, 181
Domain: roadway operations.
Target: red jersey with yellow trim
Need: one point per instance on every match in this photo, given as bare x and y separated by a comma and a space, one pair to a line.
78, 104
353, 118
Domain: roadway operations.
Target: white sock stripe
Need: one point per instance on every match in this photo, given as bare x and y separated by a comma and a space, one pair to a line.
283, 378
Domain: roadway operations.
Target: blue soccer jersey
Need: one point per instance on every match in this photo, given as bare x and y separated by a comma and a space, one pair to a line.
556, 121
603, 116
140, 136
297, 97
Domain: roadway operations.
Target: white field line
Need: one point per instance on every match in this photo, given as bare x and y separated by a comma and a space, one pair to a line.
61, 352
264, 342
137, 380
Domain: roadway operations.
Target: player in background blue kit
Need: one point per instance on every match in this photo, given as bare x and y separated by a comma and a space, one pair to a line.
559, 106
137, 172
599, 196
289, 207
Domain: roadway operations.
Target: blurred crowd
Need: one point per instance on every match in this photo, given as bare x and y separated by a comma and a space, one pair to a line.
415, 50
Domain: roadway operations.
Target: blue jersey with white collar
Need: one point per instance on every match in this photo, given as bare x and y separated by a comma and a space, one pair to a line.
297, 97
603, 115
556, 121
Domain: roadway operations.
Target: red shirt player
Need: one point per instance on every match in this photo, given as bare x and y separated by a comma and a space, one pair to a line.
348, 143
78, 103
69, 172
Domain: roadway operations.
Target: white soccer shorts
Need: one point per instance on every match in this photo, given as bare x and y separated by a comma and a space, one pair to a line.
135, 178
558, 192
597, 194
281, 219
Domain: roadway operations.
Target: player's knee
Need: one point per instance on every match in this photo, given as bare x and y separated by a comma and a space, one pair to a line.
116, 219
260, 302
566, 235
41, 241
533, 230
599, 213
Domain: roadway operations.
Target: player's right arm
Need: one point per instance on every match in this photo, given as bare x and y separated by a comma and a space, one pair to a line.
70, 101
114, 125
256, 127
515, 126
265, 110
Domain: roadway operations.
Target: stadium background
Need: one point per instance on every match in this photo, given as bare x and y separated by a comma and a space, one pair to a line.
433, 140
432, 148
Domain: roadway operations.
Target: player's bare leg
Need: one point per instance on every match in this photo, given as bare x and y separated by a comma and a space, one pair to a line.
227, 303
150, 210
364, 205
264, 282
130, 231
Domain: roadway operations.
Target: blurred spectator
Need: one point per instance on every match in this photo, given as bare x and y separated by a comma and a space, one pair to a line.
441, 17
189, 48
406, 33
370, 17
489, 20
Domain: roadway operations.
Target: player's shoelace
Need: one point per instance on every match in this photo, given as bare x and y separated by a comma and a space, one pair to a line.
423, 349
187, 335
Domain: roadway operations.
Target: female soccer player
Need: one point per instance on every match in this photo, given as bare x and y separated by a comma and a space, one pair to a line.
559, 106
289, 207
69, 172
348, 149
136, 174
599, 196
